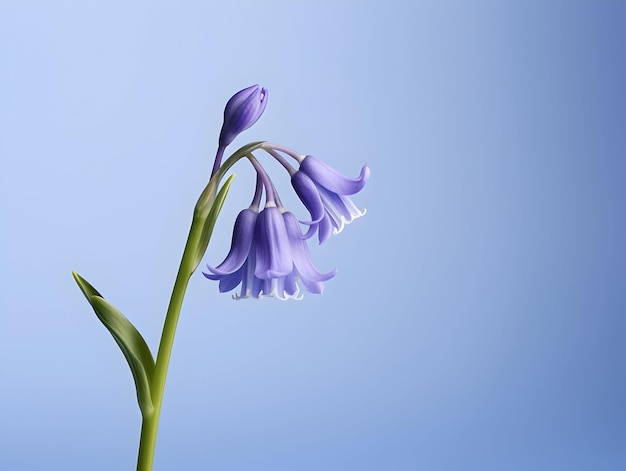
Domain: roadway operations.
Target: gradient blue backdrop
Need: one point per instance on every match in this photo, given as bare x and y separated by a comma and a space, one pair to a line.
477, 319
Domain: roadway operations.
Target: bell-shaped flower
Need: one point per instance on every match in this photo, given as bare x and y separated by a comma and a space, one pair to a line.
241, 112
268, 257
323, 191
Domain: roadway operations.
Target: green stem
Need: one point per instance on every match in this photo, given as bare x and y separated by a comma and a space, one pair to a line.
150, 424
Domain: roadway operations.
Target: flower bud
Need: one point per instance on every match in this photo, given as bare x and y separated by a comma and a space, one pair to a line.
241, 112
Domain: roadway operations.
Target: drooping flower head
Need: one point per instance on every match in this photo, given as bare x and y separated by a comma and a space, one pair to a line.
269, 255
323, 191
241, 112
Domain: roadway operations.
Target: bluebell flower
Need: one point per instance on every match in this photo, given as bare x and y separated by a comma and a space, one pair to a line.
241, 112
268, 257
323, 191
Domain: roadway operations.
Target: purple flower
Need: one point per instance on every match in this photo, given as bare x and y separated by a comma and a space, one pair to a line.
268, 257
323, 190
241, 112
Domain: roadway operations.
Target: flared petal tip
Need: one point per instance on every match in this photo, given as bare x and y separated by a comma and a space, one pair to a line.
311, 223
216, 273
326, 176
275, 293
212, 276
343, 222
365, 173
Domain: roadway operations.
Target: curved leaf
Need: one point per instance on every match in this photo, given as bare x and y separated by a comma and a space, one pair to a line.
128, 338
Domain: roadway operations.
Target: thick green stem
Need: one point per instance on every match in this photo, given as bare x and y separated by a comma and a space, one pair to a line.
150, 424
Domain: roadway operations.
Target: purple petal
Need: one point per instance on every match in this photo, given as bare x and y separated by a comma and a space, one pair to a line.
255, 287
242, 111
250, 111
250, 284
243, 233
230, 282
325, 228
213, 277
273, 252
282, 288
326, 176
227, 282
311, 231
338, 204
315, 287
309, 195
291, 287
238, 99
301, 258
267, 286
340, 209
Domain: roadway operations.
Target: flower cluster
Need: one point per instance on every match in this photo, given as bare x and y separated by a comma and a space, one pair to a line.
269, 255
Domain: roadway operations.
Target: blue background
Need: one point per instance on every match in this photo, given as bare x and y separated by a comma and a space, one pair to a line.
477, 319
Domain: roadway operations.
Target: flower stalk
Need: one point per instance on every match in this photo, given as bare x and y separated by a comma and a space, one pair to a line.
269, 254
192, 254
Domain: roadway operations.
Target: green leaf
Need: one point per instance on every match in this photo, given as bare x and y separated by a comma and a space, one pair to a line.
209, 224
128, 338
